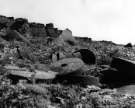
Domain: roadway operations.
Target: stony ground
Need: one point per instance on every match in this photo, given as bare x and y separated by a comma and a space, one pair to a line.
36, 54
48, 95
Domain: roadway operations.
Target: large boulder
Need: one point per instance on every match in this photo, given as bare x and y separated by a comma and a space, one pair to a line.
68, 65
122, 72
70, 72
87, 56
16, 74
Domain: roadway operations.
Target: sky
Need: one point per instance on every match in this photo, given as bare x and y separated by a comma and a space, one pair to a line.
112, 20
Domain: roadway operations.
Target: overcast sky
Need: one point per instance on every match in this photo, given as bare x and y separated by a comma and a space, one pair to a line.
112, 20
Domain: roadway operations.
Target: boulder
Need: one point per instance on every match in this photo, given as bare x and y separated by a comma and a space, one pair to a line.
70, 71
122, 72
68, 65
87, 56
16, 74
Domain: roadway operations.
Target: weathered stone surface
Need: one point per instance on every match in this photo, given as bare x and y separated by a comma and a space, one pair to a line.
37, 30
16, 74
87, 56
51, 32
68, 65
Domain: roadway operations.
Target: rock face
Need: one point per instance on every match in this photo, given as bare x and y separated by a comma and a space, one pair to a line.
51, 31
87, 56
38, 30
20, 25
23, 26
6, 21
122, 74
